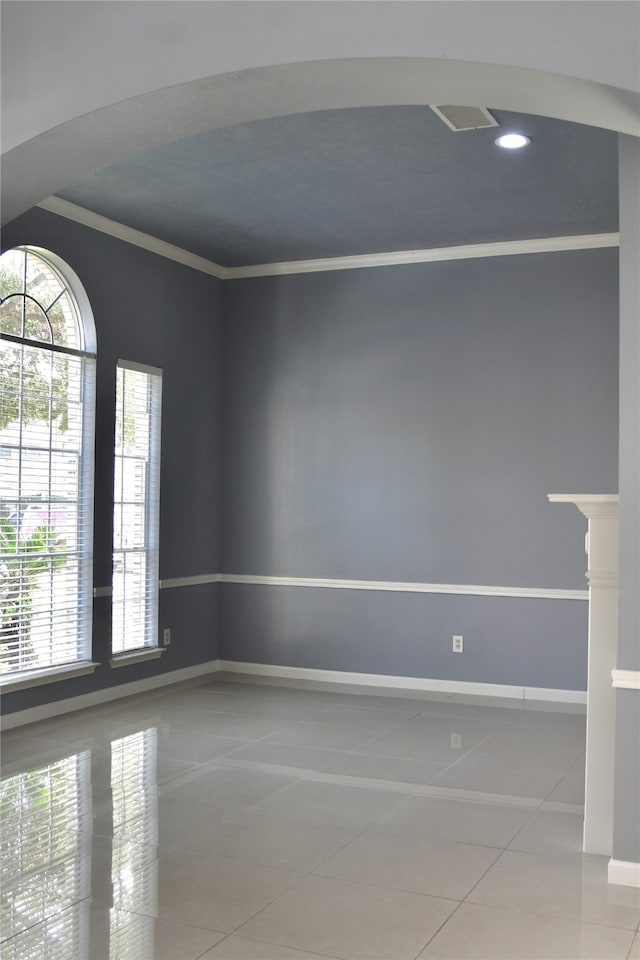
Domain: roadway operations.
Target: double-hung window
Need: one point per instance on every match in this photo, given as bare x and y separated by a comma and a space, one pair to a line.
47, 400
136, 507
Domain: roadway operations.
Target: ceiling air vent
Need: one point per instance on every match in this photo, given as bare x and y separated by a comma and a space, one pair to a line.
466, 118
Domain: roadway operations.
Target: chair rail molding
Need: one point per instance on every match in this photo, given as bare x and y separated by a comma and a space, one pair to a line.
601, 545
625, 679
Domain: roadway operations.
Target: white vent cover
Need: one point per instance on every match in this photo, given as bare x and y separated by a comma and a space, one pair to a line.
466, 118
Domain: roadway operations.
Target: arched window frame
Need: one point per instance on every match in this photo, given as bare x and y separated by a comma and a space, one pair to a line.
75, 652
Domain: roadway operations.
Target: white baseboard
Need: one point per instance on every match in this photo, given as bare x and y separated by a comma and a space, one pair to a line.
624, 872
555, 695
513, 692
48, 710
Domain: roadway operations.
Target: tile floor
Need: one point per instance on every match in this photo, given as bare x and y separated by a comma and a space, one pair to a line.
262, 820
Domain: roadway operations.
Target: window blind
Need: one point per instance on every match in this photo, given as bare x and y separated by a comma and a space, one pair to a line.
136, 507
47, 390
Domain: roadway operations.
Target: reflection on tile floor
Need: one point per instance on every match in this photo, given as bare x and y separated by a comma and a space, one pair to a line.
239, 818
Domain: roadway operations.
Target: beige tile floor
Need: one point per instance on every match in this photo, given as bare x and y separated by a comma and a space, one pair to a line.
257, 820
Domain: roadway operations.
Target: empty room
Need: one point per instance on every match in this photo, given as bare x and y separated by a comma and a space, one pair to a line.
319, 481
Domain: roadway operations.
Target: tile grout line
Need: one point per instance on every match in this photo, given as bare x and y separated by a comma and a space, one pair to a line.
441, 927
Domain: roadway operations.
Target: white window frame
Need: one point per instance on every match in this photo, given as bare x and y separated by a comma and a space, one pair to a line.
142, 599
82, 664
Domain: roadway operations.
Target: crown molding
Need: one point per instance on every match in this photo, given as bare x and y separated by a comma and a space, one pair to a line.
471, 251
87, 218
95, 221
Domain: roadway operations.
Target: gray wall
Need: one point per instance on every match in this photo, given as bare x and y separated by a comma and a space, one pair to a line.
157, 312
626, 839
402, 423
406, 423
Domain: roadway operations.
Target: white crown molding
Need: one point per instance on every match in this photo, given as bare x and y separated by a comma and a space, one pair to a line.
624, 872
626, 679
507, 691
72, 211
401, 257
391, 586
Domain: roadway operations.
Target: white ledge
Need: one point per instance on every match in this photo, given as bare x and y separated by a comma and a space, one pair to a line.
626, 679
606, 581
392, 586
135, 656
194, 581
197, 580
35, 678
593, 506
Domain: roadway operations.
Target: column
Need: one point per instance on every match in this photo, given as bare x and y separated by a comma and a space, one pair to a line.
601, 511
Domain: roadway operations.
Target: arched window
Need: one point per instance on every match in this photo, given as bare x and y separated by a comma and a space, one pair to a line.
47, 400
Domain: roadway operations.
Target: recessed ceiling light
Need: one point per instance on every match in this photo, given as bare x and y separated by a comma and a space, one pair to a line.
513, 141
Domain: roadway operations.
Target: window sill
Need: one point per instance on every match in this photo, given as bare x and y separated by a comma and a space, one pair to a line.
35, 678
135, 656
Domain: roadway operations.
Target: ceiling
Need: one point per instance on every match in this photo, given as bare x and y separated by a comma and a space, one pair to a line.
360, 180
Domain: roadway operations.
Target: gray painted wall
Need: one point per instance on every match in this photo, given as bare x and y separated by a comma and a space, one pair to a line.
626, 839
538, 643
629, 604
406, 423
392, 424
153, 311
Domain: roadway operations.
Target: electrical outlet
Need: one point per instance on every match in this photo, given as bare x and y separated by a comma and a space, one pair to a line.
456, 741
166, 636
458, 644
